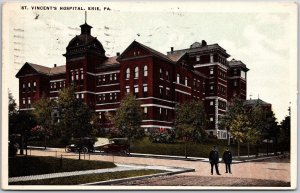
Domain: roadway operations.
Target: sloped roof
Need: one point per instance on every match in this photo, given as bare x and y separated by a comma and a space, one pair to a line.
39, 68
109, 62
253, 102
45, 70
199, 49
176, 57
237, 63
161, 55
58, 70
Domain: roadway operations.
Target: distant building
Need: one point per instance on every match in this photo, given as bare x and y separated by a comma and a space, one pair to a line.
159, 81
250, 104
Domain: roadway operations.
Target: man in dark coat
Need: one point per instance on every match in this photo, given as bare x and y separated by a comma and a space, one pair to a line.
227, 158
214, 160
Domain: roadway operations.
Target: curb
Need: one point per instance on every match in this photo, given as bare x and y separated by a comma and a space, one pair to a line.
111, 182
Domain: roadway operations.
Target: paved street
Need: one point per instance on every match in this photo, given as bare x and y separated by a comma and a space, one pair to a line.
248, 172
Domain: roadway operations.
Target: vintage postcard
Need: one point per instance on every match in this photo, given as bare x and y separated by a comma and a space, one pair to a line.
146, 95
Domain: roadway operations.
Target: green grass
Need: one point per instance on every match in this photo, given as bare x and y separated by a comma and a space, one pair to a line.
33, 165
75, 180
193, 149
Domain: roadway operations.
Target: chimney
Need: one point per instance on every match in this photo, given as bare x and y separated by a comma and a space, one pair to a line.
204, 43
172, 49
54, 65
118, 53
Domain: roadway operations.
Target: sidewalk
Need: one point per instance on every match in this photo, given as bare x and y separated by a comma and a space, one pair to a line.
120, 167
202, 159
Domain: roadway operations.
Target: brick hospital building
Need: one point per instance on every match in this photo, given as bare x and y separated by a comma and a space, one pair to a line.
159, 81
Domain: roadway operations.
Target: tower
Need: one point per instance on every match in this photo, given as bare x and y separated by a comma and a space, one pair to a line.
83, 54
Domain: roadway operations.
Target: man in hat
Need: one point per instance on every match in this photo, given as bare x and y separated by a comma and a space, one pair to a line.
227, 158
214, 160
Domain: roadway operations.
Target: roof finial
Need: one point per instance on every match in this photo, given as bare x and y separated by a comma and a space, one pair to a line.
85, 17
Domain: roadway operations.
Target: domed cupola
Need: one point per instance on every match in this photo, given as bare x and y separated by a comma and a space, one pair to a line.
84, 43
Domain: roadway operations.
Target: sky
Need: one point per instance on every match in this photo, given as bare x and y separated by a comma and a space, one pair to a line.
262, 35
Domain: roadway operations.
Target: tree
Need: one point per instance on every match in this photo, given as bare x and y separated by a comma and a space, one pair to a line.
285, 134
12, 105
255, 135
128, 118
190, 121
75, 116
235, 108
42, 113
236, 122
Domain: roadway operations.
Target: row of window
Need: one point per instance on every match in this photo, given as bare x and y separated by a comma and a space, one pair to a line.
109, 77
163, 75
180, 81
80, 96
136, 90
136, 72
29, 86
77, 74
26, 99
57, 85
108, 96
163, 93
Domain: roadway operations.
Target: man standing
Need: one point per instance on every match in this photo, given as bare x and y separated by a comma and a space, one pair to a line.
214, 160
227, 158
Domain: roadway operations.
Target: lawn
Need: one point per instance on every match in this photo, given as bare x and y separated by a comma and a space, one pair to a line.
82, 179
33, 165
193, 149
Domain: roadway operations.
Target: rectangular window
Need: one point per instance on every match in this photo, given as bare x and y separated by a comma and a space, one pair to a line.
211, 87
28, 84
76, 75
82, 96
145, 110
145, 90
103, 78
160, 110
197, 58
161, 73
115, 76
23, 100
103, 97
81, 74
110, 96
211, 72
136, 90
211, 103
110, 77
211, 119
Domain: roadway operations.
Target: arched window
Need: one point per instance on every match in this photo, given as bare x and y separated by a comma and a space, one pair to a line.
145, 70
136, 72
178, 78
127, 73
